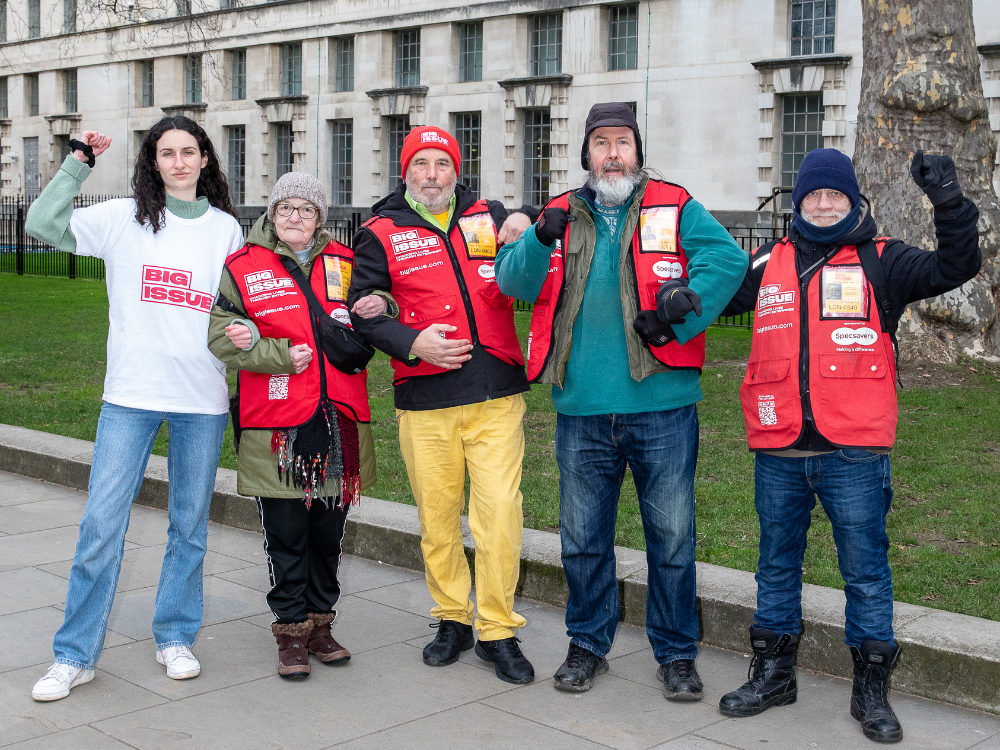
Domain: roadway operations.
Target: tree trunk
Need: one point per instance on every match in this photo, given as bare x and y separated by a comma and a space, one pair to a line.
921, 89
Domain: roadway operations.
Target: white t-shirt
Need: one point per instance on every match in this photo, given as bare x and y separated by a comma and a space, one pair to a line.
161, 288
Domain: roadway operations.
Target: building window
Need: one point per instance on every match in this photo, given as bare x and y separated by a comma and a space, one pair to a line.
4, 111
32, 183
34, 19
343, 64
3, 20
283, 140
398, 128
343, 163
291, 69
623, 37
192, 79
470, 52
801, 132
69, 16
237, 135
70, 89
184, 7
546, 44
408, 57
239, 74
146, 72
469, 132
31, 81
813, 24
537, 149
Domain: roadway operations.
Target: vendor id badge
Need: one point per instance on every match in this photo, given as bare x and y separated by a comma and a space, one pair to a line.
338, 278
480, 236
844, 293
658, 230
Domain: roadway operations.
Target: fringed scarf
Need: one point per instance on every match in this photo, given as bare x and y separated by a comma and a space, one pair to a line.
320, 453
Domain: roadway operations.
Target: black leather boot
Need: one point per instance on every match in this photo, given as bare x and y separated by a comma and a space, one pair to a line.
771, 677
870, 697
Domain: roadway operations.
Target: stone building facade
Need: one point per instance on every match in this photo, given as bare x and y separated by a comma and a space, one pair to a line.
729, 94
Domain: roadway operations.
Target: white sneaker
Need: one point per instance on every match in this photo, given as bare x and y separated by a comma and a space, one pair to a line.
59, 680
180, 662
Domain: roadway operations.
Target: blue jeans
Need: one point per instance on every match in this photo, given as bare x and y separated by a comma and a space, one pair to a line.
661, 448
853, 486
124, 441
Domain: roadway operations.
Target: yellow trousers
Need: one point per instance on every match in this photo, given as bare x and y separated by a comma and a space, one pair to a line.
438, 445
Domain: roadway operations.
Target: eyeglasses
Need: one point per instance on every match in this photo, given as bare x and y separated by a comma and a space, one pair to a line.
305, 212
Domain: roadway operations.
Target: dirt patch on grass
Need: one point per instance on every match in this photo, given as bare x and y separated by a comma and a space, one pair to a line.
929, 375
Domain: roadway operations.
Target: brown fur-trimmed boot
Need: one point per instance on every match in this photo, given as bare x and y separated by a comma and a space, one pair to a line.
293, 653
322, 643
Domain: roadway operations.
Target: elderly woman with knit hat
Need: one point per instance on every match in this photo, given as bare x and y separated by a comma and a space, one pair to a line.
301, 425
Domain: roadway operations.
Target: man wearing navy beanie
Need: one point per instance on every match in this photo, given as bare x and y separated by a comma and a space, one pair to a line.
819, 401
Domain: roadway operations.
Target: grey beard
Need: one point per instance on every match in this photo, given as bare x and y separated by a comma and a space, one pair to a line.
840, 216
439, 206
614, 193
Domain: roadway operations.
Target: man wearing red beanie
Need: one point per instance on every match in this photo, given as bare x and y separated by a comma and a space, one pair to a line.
458, 389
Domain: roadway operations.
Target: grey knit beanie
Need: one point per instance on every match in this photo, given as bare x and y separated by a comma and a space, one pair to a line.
298, 185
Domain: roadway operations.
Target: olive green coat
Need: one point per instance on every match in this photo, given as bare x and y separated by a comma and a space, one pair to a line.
257, 474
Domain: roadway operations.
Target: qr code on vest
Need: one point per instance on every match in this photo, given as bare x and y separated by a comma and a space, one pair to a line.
765, 410
277, 388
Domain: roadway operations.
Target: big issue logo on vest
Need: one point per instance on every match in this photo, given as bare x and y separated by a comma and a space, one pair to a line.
657, 256
818, 345
275, 304
438, 278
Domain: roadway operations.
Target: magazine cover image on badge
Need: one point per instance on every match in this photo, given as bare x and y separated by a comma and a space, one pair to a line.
658, 229
845, 292
338, 278
479, 235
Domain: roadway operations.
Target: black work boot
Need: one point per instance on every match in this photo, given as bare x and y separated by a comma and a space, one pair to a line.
680, 681
505, 655
771, 677
870, 697
577, 673
451, 640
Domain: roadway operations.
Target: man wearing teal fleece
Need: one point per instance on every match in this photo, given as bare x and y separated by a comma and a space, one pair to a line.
626, 273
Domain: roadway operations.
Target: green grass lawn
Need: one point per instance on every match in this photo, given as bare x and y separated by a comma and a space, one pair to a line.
943, 526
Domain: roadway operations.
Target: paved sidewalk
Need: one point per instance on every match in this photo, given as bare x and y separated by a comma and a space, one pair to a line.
385, 697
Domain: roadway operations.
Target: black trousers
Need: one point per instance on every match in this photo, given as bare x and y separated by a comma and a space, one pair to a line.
303, 547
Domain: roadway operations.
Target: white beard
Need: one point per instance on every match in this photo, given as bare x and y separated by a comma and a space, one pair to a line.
614, 192
839, 216
440, 203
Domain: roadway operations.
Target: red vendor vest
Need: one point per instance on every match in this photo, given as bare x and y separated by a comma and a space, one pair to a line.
657, 256
275, 304
449, 278
818, 348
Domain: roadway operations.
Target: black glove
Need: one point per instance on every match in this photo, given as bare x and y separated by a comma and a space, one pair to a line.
652, 330
76, 145
551, 225
674, 300
936, 176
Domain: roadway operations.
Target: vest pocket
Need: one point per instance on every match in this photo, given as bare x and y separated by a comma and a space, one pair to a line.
435, 309
853, 365
767, 370
494, 297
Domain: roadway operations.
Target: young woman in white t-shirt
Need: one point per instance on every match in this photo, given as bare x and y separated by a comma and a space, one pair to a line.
163, 251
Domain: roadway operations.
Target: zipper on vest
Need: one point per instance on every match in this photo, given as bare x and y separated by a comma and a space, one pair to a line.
804, 279
463, 288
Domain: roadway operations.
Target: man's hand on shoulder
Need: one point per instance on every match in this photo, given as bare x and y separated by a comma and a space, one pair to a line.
432, 346
513, 227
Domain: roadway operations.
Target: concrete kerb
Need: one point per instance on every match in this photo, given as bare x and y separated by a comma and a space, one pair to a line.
945, 656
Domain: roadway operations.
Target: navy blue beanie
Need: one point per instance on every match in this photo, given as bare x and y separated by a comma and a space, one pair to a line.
826, 168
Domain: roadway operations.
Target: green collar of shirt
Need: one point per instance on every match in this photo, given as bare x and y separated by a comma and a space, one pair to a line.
421, 209
187, 209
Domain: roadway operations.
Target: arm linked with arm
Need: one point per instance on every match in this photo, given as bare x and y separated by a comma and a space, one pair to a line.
267, 355
522, 267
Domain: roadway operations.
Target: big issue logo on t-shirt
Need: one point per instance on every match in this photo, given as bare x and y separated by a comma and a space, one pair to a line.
172, 286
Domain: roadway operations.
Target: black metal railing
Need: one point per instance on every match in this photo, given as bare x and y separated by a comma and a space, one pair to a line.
22, 254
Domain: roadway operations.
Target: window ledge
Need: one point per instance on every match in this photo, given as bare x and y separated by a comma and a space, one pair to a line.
989, 49
398, 91
175, 109
292, 99
66, 116
835, 61
564, 79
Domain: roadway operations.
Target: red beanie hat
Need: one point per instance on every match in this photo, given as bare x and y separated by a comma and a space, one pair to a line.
429, 136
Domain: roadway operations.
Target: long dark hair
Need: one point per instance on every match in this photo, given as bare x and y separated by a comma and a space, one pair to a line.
147, 185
